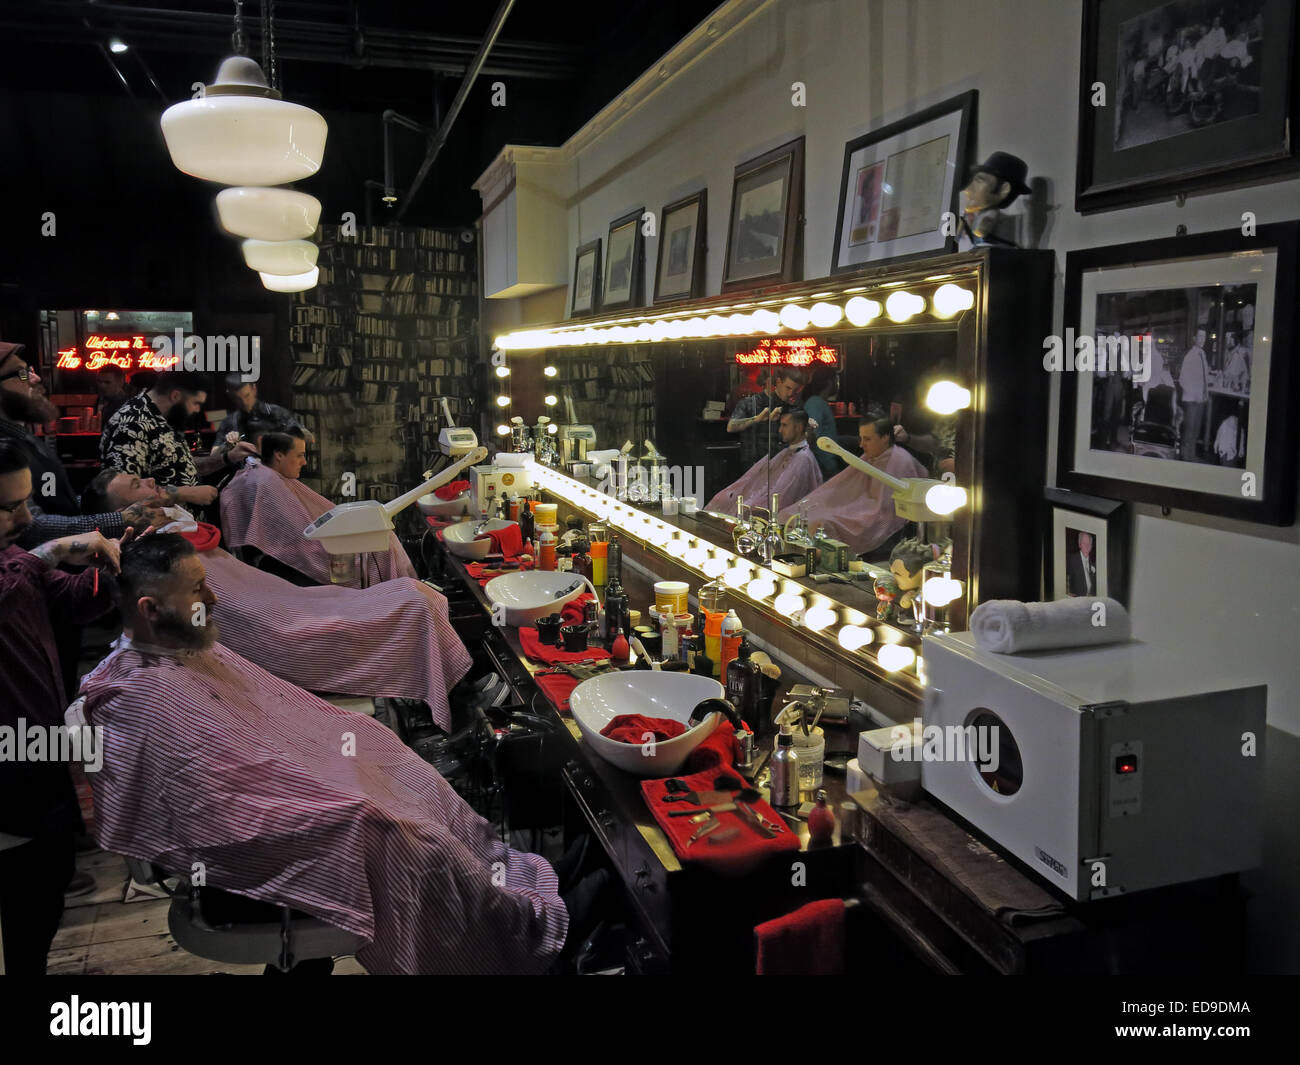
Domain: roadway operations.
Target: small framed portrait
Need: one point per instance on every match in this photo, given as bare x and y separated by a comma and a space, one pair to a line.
897, 184
586, 279
1087, 546
624, 263
679, 274
1178, 385
763, 235
1183, 95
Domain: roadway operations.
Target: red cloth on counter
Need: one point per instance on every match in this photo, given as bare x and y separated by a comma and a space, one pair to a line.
574, 612
546, 653
632, 728
451, 490
807, 942
486, 571
557, 687
736, 856
508, 541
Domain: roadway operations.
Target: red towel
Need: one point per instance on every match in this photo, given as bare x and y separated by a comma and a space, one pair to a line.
807, 942
450, 491
508, 541
557, 687
632, 728
205, 537
737, 856
486, 571
542, 652
574, 612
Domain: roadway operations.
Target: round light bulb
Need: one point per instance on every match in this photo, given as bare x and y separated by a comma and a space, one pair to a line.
947, 397
695, 327
795, 317
818, 617
552, 428
825, 315
861, 311
893, 657
503, 401
765, 321
737, 577
741, 323
903, 305
714, 567
940, 591
952, 299
788, 603
503, 371
945, 498
853, 637
551, 400
676, 547
761, 587
503, 430
696, 557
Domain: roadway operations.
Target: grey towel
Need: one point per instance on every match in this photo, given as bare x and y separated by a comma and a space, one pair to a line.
1008, 626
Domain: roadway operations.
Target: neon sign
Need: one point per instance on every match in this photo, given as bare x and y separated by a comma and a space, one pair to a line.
126, 353
789, 351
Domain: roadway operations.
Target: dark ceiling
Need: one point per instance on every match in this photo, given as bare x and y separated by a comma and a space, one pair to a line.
83, 111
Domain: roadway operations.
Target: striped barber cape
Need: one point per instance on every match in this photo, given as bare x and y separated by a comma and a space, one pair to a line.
392, 639
268, 511
286, 799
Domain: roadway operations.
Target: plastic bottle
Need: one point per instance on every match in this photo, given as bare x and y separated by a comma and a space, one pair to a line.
741, 684
546, 558
729, 644
599, 562
784, 783
821, 820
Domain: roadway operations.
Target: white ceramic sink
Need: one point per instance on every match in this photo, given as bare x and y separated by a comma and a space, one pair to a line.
445, 508
597, 701
532, 595
462, 541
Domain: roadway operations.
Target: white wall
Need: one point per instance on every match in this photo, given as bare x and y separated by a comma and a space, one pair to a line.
1220, 587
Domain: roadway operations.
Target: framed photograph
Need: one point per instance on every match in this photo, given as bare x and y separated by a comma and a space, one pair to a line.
625, 263
763, 235
1086, 552
586, 279
1178, 383
898, 182
1182, 95
679, 274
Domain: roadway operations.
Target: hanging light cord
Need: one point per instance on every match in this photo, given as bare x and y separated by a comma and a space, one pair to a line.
274, 72
237, 38
264, 18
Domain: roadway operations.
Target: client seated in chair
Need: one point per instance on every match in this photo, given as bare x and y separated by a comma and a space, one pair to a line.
212, 763
392, 639
792, 473
267, 507
854, 507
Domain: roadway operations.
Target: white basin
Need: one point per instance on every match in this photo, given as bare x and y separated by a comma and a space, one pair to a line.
532, 595
445, 508
597, 701
462, 541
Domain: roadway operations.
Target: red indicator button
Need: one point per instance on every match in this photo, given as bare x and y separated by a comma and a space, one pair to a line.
1126, 763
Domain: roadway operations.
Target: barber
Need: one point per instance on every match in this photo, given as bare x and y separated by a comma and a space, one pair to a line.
247, 408
753, 412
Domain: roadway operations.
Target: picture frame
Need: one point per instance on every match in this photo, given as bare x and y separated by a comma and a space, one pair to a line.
586, 279
765, 227
1205, 416
1172, 100
898, 181
1099, 567
624, 263
679, 266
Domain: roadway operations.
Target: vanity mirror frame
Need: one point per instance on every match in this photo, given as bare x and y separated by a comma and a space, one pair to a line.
1001, 436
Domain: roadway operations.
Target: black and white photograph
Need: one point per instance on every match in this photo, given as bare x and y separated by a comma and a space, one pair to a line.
624, 258
682, 229
586, 279
1080, 563
1086, 546
1175, 390
1182, 96
764, 225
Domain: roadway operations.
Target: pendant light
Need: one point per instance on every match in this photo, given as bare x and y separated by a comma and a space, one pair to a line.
268, 214
291, 282
282, 257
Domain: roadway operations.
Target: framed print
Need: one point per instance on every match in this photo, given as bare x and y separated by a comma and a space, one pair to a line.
625, 262
898, 182
586, 279
1181, 95
763, 234
680, 270
1087, 548
1178, 384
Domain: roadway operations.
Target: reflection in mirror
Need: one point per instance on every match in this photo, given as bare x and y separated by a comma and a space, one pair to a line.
706, 420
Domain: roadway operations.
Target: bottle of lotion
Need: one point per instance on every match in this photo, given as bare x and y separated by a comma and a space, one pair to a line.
784, 782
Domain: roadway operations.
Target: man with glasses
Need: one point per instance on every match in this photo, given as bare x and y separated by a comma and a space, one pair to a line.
39, 817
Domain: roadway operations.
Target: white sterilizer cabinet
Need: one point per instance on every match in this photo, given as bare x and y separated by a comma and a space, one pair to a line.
1106, 769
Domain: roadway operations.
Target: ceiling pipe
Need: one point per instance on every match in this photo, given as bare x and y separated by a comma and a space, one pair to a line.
453, 112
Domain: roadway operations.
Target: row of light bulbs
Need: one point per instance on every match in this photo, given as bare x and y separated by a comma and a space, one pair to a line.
739, 574
899, 306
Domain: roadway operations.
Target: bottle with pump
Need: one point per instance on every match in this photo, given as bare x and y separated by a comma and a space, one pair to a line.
526, 529
784, 782
741, 683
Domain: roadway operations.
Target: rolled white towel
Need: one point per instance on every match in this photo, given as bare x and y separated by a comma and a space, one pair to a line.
1009, 626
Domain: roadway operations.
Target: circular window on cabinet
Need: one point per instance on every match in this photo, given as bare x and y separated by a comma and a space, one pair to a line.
993, 752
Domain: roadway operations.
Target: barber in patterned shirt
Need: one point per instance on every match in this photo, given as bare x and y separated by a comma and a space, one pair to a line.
140, 438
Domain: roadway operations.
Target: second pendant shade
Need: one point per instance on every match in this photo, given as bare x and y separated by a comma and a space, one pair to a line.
280, 256
268, 214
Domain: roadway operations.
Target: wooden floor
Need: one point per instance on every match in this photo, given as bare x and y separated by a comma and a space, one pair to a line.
102, 935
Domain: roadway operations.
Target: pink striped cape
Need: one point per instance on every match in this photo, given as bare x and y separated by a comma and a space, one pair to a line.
264, 509
793, 473
392, 639
286, 799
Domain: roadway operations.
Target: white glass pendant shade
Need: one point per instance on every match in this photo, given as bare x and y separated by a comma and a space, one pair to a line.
291, 282
268, 214
241, 133
280, 256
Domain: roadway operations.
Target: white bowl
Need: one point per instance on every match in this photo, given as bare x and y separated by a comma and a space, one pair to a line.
445, 508
598, 701
532, 595
462, 541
